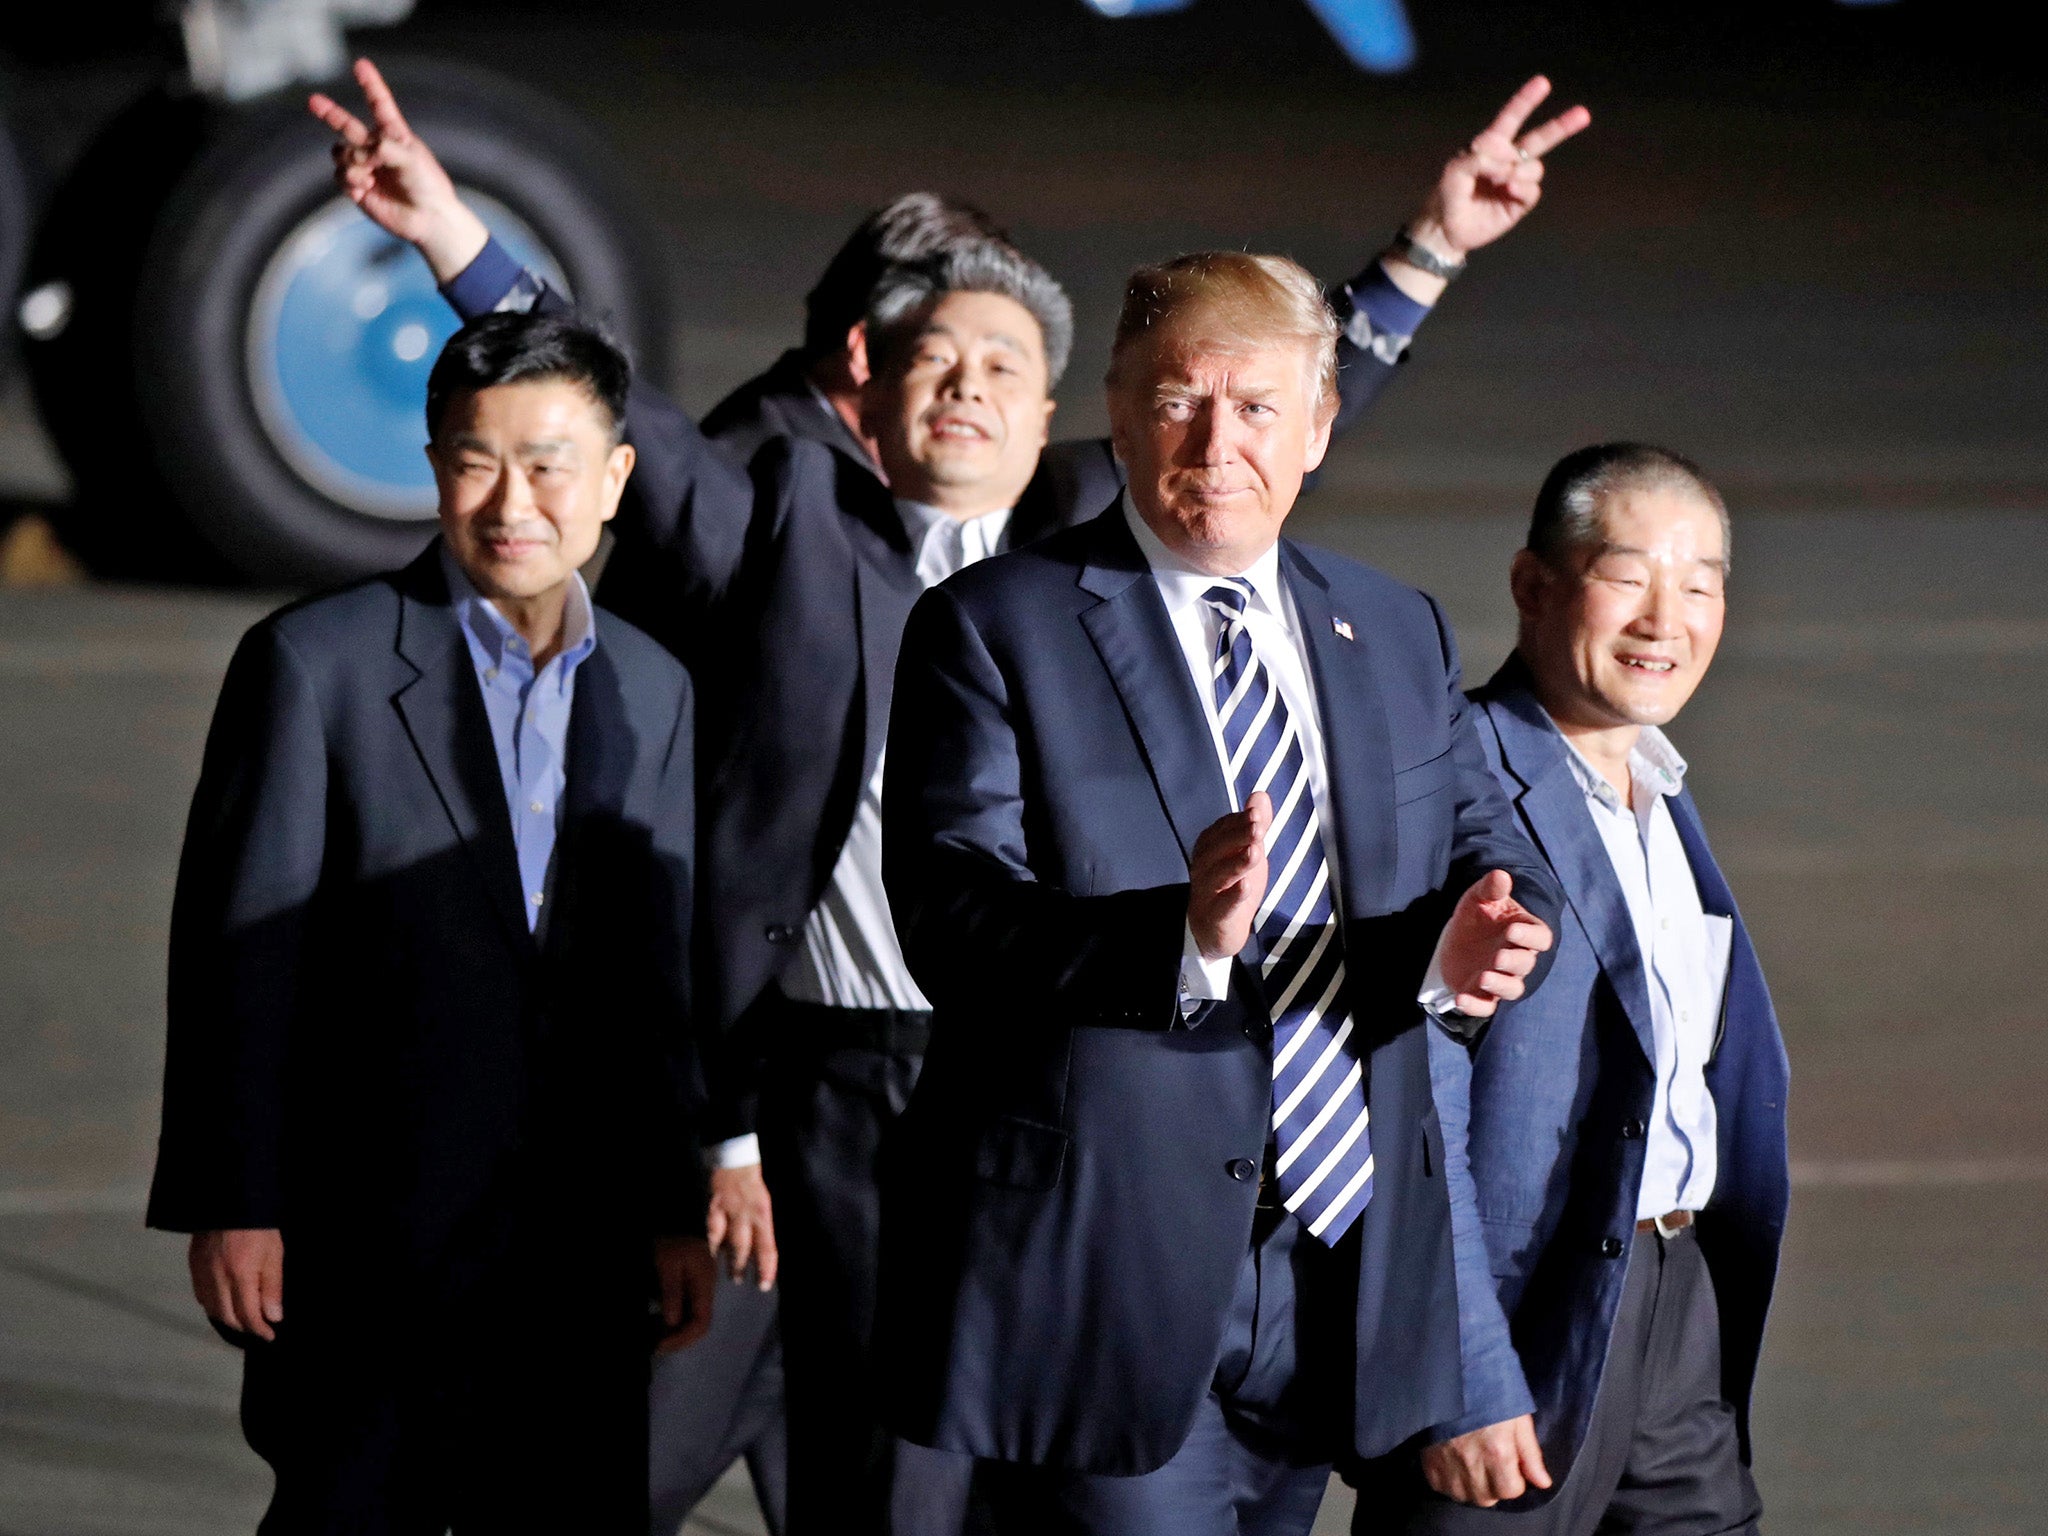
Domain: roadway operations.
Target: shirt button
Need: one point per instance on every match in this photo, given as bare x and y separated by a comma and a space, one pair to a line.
537, 898
1242, 1169
536, 807
490, 674
1664, 924
1685, 1015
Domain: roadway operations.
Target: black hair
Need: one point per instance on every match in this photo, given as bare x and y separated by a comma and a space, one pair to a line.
1567, 514
914, 226
511, 348
902, 300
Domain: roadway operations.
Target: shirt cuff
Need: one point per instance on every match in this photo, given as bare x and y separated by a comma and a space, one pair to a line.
738, 1152
494, 281
1202, 980
1436, 997
1383, 319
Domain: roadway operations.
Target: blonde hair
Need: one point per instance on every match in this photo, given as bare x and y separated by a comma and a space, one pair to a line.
1229, 301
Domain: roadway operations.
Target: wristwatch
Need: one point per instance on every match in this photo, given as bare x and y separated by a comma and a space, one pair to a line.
1404, 246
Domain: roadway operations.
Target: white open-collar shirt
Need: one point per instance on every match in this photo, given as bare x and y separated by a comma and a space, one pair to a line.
1685, 952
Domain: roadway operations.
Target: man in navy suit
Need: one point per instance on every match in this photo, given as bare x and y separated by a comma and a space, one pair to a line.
1626, 1127
1182, 818
429, 1085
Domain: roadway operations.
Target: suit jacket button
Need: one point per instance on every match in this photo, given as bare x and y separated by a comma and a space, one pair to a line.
1610, 1247
1242, 1169
1631, 1130
779, 933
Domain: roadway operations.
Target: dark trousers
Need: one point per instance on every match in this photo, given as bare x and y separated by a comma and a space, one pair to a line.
1278, 1413
714, 1403
526, 1418
836, 1080
1661, 1457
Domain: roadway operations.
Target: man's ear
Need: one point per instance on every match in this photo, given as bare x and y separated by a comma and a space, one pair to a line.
1045, 435
857, 353
1319, 443
618, 466
1530, 580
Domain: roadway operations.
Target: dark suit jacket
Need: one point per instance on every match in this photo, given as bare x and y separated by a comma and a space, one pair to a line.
1559, 1093
367, 1047
1062, 1226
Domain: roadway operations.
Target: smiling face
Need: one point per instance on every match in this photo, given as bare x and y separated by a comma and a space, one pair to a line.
1621, 637
528, 476
1216, 443
958, 409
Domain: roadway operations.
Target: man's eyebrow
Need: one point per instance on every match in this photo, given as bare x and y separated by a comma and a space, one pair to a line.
542, 445
1718, 562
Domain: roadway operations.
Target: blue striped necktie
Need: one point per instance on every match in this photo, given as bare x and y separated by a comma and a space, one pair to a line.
1324, 1153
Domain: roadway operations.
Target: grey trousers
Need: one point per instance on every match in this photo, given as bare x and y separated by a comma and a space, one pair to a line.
714, 1403
1660, 1457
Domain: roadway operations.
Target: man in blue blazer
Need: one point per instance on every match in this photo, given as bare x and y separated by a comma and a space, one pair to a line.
1181, 819
428, 1093
1626, 1126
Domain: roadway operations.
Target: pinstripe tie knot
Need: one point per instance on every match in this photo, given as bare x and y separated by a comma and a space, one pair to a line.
1230, 597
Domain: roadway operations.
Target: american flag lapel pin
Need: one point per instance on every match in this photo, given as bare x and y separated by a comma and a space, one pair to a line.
1343, 627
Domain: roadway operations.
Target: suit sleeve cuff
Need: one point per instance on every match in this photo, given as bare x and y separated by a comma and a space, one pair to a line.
1383, 319
494, 281
735, 1152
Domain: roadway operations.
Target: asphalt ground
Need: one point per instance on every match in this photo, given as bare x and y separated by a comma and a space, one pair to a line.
1808, 259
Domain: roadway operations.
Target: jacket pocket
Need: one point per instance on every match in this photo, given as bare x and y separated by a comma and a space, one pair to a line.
1021, 1154
1424, 779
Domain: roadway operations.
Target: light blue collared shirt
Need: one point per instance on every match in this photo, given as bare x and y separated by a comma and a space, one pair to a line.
529, 715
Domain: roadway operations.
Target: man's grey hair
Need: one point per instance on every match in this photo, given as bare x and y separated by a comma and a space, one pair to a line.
905, 294
1577, 489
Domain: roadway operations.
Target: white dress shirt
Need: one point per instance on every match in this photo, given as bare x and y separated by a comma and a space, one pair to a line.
1275, 629
1685, 961
849, 956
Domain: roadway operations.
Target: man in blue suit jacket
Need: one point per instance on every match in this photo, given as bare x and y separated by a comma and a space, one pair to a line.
1178, 816
1626, 1127
428, 1093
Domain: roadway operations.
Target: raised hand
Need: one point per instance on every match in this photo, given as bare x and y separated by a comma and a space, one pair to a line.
1490, 186
1227, 878
388, 172
1489, 945
1500, 1461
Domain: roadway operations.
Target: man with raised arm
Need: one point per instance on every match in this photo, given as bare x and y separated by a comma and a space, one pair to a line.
786, 585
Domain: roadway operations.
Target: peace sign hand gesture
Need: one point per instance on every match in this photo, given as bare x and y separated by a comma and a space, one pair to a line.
388, 172
1490, 186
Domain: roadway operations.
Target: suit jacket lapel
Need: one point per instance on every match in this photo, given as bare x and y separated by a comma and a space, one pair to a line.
1553, 806
1134, 637
1356, 742
885, 588
444, 717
